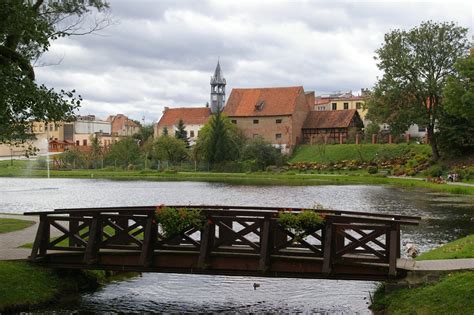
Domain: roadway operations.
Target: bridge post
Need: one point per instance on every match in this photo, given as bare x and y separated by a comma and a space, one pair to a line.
42, 238
266, 244
149, 241
73, 229
393, 249
207, 241
95, 238
328, 248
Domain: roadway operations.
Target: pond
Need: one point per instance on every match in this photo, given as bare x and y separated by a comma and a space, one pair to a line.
445, 218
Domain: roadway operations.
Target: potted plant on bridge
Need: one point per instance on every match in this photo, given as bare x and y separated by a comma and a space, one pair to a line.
301, 223
175, 221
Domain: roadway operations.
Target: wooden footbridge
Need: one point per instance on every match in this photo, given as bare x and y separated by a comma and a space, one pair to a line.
233, 241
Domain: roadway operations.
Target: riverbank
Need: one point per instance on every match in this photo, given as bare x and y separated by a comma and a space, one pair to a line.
452, 294
26, 286
258, 178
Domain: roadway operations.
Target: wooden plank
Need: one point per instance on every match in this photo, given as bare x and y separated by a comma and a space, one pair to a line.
93, 244
265, 245
207, 240
328, 248
39, 237
146, 256
392, 264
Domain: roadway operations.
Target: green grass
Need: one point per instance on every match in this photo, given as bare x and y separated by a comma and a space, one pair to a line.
11, 225
453, 294
24, 285
359, 152
461, 248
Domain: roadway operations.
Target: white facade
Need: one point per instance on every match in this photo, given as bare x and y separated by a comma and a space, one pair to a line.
92, 126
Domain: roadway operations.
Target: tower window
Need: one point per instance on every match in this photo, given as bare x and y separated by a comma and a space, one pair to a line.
334, 106
255, 121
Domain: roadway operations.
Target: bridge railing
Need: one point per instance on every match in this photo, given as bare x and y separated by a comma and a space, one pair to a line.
345, 236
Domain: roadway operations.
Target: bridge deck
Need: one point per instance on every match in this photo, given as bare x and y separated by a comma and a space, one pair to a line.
233, 241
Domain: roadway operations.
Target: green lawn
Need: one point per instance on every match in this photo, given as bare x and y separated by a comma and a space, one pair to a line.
453, 294
23, 284
359, 152
10, 225
461, 248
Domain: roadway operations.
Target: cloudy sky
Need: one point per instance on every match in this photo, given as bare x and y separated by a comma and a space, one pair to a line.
161, 53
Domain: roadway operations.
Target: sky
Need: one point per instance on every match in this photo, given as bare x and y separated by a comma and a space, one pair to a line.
159, 53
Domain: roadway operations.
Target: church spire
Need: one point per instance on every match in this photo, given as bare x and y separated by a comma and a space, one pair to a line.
217, 90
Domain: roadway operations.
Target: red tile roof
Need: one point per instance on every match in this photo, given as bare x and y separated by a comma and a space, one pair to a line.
189, 115
330, 119
263, 101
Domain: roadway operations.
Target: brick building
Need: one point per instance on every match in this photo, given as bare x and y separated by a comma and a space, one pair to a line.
193, 118
276, 114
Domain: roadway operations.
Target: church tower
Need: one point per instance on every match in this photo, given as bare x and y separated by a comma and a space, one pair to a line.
217, 90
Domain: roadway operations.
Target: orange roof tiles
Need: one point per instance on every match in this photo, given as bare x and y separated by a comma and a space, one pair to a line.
262, 101
189, 115
329, 119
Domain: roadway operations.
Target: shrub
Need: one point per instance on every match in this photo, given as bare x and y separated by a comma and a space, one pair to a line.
302, 222
175, 221
372, 170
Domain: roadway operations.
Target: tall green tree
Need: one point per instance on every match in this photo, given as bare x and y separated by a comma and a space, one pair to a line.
144, 133
124, 153
415, 65
181, 133
27, 28
456, 126
219, 140
170, 149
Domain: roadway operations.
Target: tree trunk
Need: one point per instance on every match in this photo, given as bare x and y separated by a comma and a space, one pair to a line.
433, 142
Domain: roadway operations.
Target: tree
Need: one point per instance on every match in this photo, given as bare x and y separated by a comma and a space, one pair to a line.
456, 126
415, 67
96, 150
125, 152
181, 132
26, 31
170, 149
262, 152
219, 140
144, 133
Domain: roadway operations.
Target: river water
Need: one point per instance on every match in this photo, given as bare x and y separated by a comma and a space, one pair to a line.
445, 218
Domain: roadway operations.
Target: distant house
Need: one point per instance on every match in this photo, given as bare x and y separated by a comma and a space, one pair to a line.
276, 114
194, 118
331, 126
122, 126
342, 101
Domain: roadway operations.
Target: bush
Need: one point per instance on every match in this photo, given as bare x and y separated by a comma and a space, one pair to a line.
372, 170
301, 223
435, 171
175, 221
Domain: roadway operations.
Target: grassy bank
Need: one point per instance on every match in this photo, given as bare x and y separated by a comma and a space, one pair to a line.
359, 152
453, 294
25, 286
461, 248
262, 178
11, 225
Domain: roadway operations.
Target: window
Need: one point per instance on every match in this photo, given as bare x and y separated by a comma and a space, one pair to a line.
334, 106
346, 105
321, 108
421, 129
233, 121
84, 142
358, 105
191, 133
56, 127
278, 136
255, 121
278, 121
78, 143
50, 127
